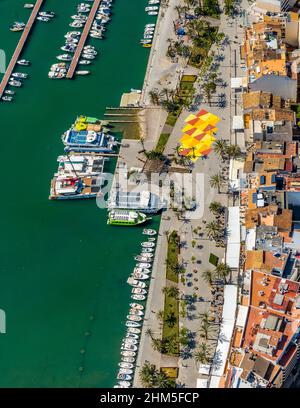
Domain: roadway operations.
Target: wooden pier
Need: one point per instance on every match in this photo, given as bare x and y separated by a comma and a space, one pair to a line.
82, 40
20, 46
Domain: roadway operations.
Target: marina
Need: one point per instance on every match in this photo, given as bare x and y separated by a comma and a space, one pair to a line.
63, 342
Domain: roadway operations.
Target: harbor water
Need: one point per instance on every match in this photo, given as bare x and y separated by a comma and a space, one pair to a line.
63, 271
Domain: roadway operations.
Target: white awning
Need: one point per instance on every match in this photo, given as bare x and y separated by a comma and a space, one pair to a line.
237, 83
238, 122
242, 316
204, 369
202, 383
234, 237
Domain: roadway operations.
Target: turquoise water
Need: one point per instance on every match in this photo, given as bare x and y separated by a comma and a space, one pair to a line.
63, 271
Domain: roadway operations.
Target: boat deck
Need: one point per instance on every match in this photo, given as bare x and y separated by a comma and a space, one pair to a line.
82, 40
20, 46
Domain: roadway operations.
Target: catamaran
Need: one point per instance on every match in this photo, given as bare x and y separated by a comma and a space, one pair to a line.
66, 187
88, 141
144, 201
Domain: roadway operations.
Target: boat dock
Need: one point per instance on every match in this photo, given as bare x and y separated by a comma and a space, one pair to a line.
82, 40
20, 46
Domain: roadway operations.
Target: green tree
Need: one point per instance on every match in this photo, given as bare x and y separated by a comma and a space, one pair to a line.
216, 207
223, 271
220, 147
208, 276
203, 354
216, 182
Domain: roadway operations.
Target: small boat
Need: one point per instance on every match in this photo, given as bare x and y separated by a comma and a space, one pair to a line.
129, 347
132, 336
125, 371
76, 24
83, 72
84, 62
9, 92
127, 359
124, 377
23, 62
64, 57
44, 19
135, 90
47, 14
143, 265
141, 270
28, 5
151, 8
127, 353
138, 297
135, 283
97, 36
134, 330
73, 34
130, 341
7, 98
143, 41
148, 231
150, 25
124, 384
140, 276
137, 306
126, 365
141, 258
147, 244
146, 255
138, 291
153, 239
147, 250
79, 17
17, 28
88, 56
136, 312
147, 45
19, 75
148, 36
132, 324
15, 83
134, 318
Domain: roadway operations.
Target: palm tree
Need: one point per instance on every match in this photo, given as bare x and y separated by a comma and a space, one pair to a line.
233, 151
203, 354
205, 329
166, 93
216, 181
163, 381
213, 229
154, 96
150, 333
147, 374
171, 319
220, 147
208, 276
179, 10
160, 315
222, 271
171, 291
216, 207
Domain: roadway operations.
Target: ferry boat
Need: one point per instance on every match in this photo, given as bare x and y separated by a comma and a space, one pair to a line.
80, 164
144, 201
126, 218
23, 62
88, 141
64, 187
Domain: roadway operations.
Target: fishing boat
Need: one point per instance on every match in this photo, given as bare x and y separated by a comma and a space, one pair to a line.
144, 201
126, 365
88, 56
127, 359
64, 57
126, 218
9, 92
15, 83
138, 297
134, 330
28, 5
136, 284
125, 371
134, 318
132, 336
143, 265
147, 244
148, 231
84, 62
23, 62
140, 276
7, 98
132, 324
124, 377
138, 291
82, 72
137, 306
64, 187
142, 258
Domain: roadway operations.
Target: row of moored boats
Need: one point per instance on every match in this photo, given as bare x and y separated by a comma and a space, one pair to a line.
137, 281
72, 39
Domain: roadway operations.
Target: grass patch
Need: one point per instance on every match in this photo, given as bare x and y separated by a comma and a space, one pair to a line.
213, 259
172, 117
171, 331
189, 78
162, 141
171, 372
172, 256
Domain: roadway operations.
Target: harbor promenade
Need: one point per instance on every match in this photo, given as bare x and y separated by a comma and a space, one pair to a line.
82, 40
20, 46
